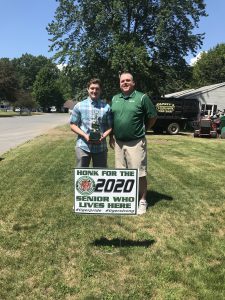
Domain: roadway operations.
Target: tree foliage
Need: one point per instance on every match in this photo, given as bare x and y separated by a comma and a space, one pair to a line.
46, 88
210, 68
65, 83
18, 77
8, 80
145, 37
25, 101
27, 67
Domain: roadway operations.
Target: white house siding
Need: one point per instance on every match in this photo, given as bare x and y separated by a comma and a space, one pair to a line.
216, 97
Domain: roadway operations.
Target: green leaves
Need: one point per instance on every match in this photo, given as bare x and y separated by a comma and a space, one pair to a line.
27, 67
102, 37
8, 80
210, 68
46, 88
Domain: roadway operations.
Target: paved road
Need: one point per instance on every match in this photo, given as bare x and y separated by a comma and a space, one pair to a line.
17, 130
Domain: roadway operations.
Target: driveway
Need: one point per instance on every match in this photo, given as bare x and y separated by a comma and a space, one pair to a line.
17, 130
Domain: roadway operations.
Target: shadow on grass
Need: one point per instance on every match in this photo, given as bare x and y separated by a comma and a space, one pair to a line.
183, 133
154, 197
1, 158
122, 243
18, 227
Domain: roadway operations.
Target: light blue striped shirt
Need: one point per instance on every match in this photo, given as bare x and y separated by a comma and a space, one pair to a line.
83, 114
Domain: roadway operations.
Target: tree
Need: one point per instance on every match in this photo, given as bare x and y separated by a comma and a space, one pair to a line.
27, 67
66, 85
8, 80
46, 89
210, 67
177, 79
103, 38
25, 101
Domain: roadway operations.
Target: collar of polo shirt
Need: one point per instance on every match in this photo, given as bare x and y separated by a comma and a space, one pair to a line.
127, 96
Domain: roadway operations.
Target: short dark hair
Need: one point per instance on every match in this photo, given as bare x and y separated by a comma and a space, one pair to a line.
126, 72
94, 81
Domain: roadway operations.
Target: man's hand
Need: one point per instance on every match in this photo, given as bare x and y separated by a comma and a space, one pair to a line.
102, 138
111, 141
80, 132
86, 137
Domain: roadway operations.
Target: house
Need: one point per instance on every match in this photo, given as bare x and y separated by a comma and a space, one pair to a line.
211, 97
5, 106
69, 105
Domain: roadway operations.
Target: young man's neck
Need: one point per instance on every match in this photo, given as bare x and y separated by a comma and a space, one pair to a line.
94, 99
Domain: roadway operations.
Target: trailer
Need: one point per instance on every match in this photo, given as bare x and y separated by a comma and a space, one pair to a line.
176, 114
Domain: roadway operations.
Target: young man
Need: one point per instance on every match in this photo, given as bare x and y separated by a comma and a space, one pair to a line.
91, 120
133, 113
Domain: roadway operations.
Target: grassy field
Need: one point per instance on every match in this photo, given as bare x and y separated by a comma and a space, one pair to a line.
6, 114
175, 251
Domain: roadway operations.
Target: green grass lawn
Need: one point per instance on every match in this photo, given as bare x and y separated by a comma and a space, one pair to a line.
4, 114
175, 251
8, 114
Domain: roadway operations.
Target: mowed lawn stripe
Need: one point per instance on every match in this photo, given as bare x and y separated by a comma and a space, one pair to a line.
175, 251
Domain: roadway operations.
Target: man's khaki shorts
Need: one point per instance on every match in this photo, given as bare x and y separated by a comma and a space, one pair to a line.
132, 155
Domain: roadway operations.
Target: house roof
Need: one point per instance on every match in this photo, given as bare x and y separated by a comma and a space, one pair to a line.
195, 92
69, 104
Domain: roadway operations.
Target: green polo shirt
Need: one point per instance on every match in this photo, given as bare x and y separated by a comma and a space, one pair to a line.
130, 113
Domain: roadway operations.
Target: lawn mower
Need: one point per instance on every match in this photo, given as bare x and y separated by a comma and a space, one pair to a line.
207, 128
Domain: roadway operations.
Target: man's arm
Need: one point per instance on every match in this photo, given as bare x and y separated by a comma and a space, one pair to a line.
111, 141
150, 112
78, 131
150, 123
105, 134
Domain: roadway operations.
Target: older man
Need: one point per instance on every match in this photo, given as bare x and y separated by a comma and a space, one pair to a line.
133, 113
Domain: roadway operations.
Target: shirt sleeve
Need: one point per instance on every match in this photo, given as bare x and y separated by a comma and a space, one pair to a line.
75, 117
149, 108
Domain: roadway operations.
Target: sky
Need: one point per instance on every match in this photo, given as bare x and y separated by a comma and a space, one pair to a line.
23, 26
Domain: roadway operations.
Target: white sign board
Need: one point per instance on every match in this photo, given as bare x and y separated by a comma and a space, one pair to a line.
106, 191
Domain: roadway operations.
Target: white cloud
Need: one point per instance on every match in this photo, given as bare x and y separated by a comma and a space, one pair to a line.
196, 58
61, 66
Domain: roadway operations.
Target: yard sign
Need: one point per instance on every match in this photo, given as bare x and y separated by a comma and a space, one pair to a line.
106, 191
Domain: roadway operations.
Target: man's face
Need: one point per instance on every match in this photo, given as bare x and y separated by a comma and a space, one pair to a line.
126, 84
94, 91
